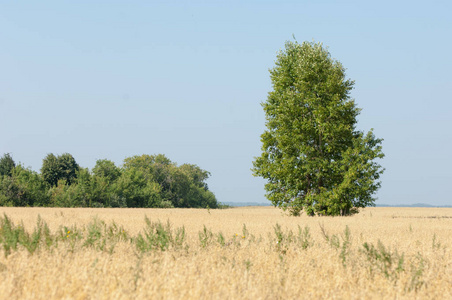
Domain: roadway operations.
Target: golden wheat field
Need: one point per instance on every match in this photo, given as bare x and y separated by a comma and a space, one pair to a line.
237, 253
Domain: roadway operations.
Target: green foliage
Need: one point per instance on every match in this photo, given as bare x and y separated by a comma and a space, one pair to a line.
312, 156
50, 169
88, 190
435, 243
106, 169
182, 186
143, 181
97, 235
206, 237
68, 167
63, 195
417, 271
285, 239
159, 236
7, 164
305, 237
23, 187
346, 241
137, 191
101, 236
335, 242
12, 236
10, 192
197, 175
56, 168
95, 238
220, 239
389, 263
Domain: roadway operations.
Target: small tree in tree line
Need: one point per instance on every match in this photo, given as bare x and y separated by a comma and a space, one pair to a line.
62, 167
313, 157
7, 164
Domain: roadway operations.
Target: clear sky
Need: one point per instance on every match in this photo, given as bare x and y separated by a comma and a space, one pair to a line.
113, 79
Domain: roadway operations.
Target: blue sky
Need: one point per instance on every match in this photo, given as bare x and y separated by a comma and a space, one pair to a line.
113, 79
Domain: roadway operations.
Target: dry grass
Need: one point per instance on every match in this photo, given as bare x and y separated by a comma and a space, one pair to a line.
253, 264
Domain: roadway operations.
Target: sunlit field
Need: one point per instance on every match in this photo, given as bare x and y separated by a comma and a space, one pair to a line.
238, 253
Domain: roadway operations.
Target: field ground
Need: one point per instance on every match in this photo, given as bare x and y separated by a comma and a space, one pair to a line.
238, 253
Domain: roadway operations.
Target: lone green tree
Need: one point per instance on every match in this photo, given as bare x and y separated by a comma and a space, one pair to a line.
313, 157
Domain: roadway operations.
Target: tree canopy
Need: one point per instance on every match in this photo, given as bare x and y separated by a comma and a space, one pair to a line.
62, 167
313, 157
142, 181
7, 164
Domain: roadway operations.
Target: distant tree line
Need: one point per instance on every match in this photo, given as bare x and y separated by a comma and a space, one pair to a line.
142, 181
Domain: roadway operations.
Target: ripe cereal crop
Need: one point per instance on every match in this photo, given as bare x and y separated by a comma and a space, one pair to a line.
236, 253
